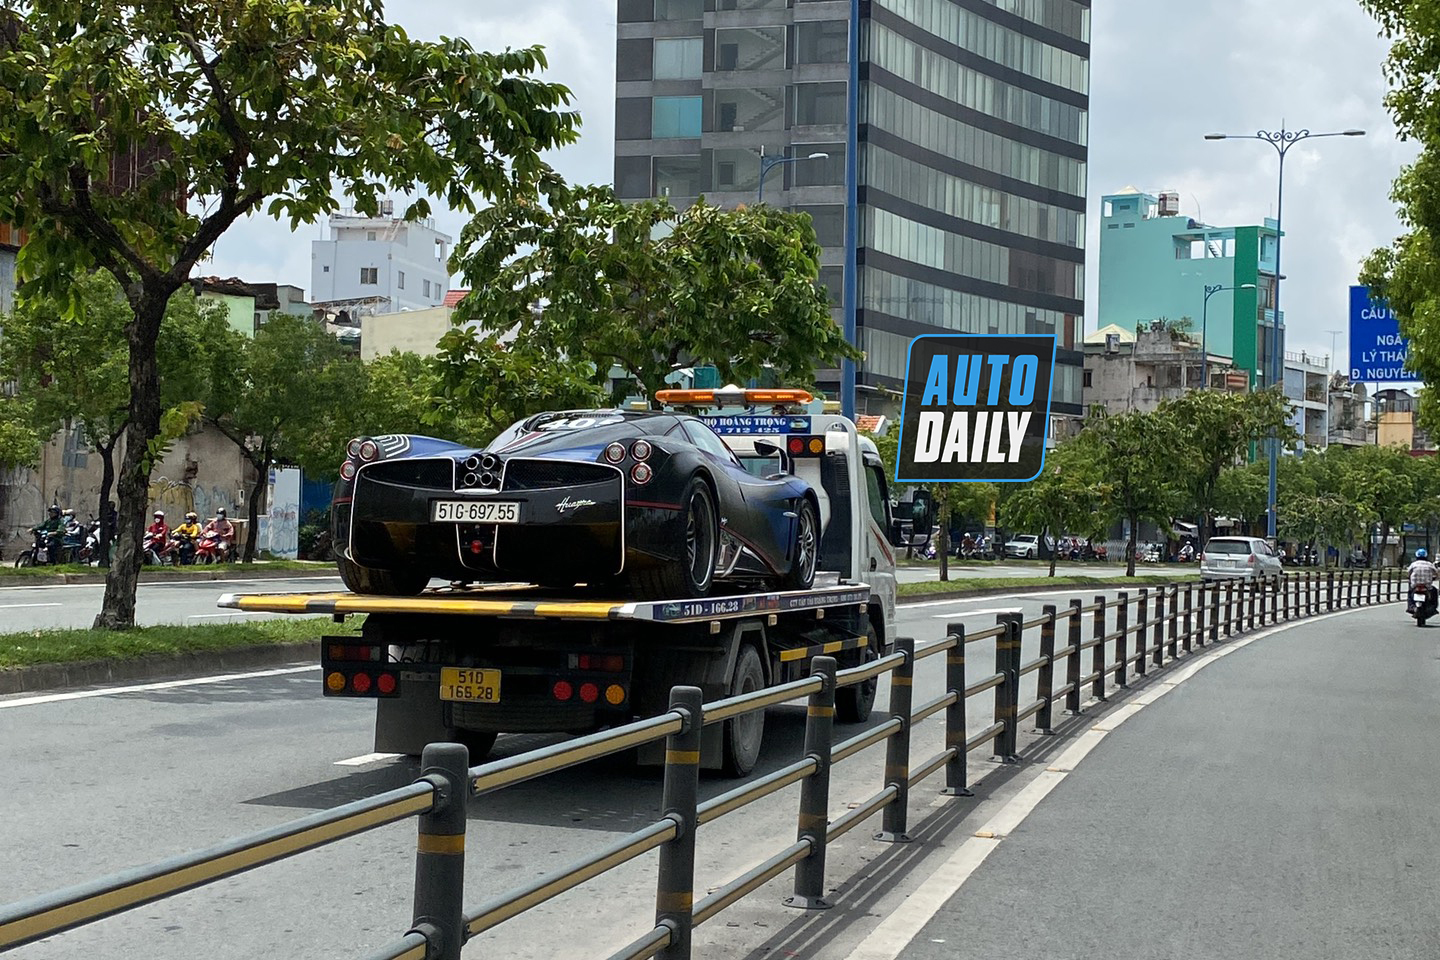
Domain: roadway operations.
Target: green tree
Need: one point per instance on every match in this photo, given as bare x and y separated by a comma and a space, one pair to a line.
1381, 482
263, 105
278, 401
1242, 492
1132, 456
650, 289
19, 441
1067, 497
1214, 430
69, 360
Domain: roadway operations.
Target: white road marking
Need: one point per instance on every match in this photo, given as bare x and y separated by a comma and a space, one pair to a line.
367, 758
893, 934
216, 616
165, 685
16, 606
974, 613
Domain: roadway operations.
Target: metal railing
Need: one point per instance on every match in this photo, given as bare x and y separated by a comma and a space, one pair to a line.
1170, 622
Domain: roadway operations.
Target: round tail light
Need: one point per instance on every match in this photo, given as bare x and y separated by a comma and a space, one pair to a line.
385, 683
562, 690
353, 447
347, 470
615, 452
360, 683
641, 473
641, 450
589, 692
369, 450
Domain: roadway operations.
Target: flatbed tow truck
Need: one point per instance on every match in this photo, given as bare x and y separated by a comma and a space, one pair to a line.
469, 663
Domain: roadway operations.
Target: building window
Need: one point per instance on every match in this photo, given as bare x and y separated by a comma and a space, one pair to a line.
369, 276
746, 108
822, 41
679, 9
632, 177
400, 279
676, 117
827, 171
819, 103
370, 236
678, 59
427, 289
633, 59
1088, 384
677, 176
632, 118
751, 48
325, 269
829, 222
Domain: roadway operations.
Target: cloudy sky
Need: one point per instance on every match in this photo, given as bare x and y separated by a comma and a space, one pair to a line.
1160, 81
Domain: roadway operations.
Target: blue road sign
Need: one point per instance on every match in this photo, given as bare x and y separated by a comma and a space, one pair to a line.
1378, 353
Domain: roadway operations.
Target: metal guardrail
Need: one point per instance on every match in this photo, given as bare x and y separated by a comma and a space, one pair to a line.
1183, 618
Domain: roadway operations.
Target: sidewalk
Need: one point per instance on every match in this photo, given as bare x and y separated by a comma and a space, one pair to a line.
1284, 802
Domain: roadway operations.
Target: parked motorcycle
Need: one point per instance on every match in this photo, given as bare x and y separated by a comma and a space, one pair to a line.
1423, 603
41, 552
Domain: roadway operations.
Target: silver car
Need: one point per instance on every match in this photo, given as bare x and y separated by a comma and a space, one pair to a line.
1246, 558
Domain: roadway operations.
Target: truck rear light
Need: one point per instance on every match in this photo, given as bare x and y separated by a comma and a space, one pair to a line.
604, 662
562, 690
589, 693
385, 683
356, 652
360, 683
614, 694
335, 682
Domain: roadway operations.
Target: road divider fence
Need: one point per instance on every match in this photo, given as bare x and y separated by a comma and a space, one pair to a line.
1169, 624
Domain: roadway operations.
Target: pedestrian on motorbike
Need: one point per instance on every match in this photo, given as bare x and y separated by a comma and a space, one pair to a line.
186, 535
52, 528
221, 526
1421, 573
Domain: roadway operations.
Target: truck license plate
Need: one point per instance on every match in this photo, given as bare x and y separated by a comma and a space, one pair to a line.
469, 685
474, 511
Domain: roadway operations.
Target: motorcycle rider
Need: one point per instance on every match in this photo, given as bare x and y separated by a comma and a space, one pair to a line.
221, 526
1421, 573
186, 535
160, 532
53, 529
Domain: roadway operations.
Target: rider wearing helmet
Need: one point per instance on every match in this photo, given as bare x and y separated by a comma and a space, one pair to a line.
159, 527
53, 528
222, 525
1421, 573
190, 528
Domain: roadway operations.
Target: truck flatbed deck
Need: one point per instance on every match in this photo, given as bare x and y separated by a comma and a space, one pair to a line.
520, 602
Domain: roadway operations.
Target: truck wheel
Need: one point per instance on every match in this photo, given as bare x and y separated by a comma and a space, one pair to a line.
694, 574
478, 742
392, 583
744, 734
854, 703
806, 551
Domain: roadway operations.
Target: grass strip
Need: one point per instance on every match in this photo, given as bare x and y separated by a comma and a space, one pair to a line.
1003, 583
33, 647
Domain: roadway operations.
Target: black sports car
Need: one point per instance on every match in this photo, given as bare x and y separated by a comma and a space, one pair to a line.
654, 503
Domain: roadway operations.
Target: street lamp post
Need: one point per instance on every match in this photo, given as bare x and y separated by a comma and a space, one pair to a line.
1282, 140
1210, 291
770, 163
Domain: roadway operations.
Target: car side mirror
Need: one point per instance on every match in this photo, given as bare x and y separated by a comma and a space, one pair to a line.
767, 449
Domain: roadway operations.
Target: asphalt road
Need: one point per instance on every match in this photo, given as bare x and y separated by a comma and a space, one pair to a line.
1279, 804
95, 784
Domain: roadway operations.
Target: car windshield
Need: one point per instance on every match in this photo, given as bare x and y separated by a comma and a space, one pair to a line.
1228, 546
760, 466
1027, 538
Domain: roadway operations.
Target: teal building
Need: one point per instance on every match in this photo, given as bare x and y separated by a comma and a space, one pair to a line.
1156, 263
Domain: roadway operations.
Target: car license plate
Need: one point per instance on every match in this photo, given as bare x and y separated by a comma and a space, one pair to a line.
475, 511
469, 685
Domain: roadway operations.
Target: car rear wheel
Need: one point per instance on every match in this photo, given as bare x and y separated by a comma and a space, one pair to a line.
806, 548
694, 574
390, 583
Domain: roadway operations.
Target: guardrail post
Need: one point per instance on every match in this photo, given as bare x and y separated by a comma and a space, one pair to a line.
1330, 591
814, 821
1045, 682
1189, 615
1142, 633
1072, 663
1274, 594
1122, 629
1200, 615
1007, 695
1097, 652
440, 851
897, 748
1374, 586
1254, 588
1229, 609
1350, 582
957, 773
1311, 585
1214, 611
1174, 596
675, 891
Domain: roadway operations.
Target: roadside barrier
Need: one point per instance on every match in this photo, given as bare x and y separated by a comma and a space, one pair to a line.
1170, 623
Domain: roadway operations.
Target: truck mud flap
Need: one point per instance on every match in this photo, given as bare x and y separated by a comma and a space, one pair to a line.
406, 724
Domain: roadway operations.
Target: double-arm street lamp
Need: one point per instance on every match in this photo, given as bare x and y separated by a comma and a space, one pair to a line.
1210, 291
770, 163
1282, 140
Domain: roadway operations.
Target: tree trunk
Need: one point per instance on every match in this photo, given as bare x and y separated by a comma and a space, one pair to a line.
107, 484
117, 610
1130, 548
942, 540
253, 508
1377, 554
1054, 551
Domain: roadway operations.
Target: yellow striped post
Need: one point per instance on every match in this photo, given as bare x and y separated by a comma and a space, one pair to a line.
675, 887
815, 791
440, 851
897, 749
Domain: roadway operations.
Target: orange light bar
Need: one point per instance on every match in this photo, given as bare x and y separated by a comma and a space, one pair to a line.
710, 398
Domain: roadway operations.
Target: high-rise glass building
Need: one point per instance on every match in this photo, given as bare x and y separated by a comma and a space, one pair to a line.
973, 122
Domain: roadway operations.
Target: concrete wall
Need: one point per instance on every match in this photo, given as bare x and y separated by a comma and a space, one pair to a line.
415, 332
203, 471
240, 311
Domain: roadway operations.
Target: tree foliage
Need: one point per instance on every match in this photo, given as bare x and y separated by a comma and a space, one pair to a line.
651, 289
212, 111
19, 440
1133, 453
1069, 496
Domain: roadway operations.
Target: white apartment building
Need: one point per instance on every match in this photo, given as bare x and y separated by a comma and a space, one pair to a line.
392, 264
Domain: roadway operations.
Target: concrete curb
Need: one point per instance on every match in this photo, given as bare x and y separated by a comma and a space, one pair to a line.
185, 573
60, 676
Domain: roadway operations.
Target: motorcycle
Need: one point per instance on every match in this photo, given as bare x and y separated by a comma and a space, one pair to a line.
183, 549
1423, 603
155, 549
41, 552
212, 548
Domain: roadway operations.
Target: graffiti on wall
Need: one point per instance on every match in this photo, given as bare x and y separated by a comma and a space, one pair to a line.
179, 497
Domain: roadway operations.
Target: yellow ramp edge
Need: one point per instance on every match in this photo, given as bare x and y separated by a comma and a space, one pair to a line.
352, 603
